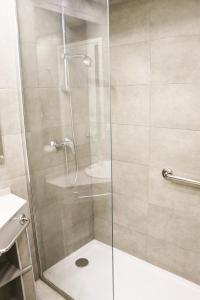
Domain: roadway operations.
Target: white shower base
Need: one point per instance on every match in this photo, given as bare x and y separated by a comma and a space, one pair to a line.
134, 278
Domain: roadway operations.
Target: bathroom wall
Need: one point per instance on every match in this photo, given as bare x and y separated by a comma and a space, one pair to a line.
13, 170
155, 71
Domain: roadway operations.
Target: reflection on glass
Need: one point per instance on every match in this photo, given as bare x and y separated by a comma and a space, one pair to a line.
67, 116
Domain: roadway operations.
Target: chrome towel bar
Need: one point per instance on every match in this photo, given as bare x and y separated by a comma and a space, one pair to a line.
168, 174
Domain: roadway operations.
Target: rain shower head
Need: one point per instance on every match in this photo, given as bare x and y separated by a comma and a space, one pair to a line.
85, 58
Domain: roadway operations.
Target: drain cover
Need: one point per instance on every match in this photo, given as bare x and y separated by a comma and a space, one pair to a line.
82, 262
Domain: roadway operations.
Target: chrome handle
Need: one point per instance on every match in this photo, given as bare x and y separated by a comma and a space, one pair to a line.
66, 143
169, 175
23, 219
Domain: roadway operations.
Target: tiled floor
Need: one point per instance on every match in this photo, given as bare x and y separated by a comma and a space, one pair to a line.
44, 292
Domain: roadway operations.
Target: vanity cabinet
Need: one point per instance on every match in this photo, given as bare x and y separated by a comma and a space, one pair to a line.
16, 274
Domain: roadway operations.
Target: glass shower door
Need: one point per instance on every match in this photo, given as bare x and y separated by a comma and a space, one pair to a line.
65, 73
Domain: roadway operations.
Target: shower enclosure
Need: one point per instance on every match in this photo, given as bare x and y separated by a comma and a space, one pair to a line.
65, 74
151, 227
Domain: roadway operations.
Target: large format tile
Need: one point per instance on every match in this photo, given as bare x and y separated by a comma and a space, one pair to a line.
174, 18
175, 106
130, 179
13, 153
158, 221
130, 212
103, 230
176, 149
181, 198
129, 240
9, 112
130, 143
26, 16
33, 109
129, 22
8, 78
48, 59
165, 255
130, 64
166, 225
183, 232
29, 64
130, 104
175, 60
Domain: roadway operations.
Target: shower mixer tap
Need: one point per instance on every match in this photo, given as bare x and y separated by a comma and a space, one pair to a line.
66, 143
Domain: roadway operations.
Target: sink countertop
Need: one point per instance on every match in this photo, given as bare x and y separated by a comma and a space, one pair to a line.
10, 204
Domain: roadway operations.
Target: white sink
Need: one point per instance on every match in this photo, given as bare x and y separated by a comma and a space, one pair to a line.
10, 204
101, 169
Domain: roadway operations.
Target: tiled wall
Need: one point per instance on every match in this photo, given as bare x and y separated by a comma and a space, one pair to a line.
13, 171
155, 71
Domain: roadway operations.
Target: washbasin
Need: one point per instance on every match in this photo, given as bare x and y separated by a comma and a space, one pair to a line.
13, 220
10, 204
101, 169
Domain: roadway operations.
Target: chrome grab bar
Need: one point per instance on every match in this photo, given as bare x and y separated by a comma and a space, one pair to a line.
169, 175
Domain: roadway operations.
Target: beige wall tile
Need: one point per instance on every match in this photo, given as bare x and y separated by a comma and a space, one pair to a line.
26, 15
130, 179
130, 64
175, 106
165, 255
78, 235
168, 226
33, 109
182, 199
175, 60
8, 78
29, 64
128, 240
48, 58
14, 156
129, 22
176, 149
158, 221
9, 112
174, 18
146, 206
130, 104
103, 207
130, 143
130, 212
183, 232
103, 230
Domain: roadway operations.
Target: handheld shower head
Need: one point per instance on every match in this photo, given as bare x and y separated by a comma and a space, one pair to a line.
87, 61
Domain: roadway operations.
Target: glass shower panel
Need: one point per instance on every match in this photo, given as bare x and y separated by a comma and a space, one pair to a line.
65, 72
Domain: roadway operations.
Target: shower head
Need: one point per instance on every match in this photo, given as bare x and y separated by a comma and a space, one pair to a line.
87, 61
85, 58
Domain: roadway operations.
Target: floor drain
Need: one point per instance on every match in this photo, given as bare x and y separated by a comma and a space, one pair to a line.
82, 262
